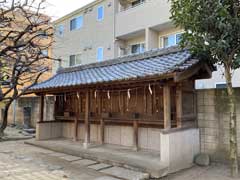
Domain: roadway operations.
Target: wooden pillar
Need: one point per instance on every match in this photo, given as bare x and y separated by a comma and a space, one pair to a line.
77, 116
87, 125
179, 105
41, 108
102, 131
135, 135
167, 106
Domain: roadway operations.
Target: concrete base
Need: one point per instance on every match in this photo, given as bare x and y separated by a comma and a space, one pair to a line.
143, 161
179, 148
176, 148
149, 138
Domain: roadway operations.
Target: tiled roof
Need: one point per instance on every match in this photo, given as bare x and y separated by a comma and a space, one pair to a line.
152, 63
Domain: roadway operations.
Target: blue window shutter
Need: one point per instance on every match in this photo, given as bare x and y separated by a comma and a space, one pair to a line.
171, 40
100, 54
100, 13
76, 23
79, 22
60, 30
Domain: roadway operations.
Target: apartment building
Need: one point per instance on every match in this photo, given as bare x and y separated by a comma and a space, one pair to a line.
86, 35
107, 29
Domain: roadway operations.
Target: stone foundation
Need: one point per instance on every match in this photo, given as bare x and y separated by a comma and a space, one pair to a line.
149, 138
177, 148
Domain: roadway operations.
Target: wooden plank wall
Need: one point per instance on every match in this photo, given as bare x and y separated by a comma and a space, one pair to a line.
139, 103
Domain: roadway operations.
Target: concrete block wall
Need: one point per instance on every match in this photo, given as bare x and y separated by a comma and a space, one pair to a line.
213, 121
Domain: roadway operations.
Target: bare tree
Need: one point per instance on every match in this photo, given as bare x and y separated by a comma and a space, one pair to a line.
25, 37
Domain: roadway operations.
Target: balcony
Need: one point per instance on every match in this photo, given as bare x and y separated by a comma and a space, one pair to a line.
148, 14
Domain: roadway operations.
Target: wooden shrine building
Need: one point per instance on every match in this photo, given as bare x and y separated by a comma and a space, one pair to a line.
143, 101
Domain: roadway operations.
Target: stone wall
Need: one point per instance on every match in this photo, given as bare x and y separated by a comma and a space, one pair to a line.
213, 121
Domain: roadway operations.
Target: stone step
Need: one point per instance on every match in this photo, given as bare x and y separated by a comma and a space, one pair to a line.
124, 173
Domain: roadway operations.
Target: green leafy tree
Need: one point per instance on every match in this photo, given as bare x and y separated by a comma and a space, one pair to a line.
212, 31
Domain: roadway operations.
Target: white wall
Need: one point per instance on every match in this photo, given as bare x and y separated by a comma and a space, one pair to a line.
87, 39
218, 77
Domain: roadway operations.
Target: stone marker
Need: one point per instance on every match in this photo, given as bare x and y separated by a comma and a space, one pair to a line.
202, 159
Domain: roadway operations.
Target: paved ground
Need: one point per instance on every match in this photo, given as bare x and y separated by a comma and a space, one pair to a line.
19, 161
110, 154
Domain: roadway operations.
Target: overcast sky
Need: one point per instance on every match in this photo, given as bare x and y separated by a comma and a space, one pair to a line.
59, 8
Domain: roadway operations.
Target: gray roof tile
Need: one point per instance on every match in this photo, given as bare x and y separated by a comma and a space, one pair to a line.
151, 63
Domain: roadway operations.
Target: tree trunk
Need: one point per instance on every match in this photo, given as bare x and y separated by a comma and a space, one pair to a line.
233, 123
4, 119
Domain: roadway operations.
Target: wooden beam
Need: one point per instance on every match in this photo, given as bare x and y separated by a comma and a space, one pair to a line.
167, 106
102, 131
41, 108
135, 135
195, 108
179, 104
188, 73
99, 100
86, 121
77, 117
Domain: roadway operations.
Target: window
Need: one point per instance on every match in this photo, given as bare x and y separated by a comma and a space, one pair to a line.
138, 2
76, 23
137, 48
60, 30
42, 34
100, 14
171, 40
44, 52
100, 54
178, 38
75, 60
221, 85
